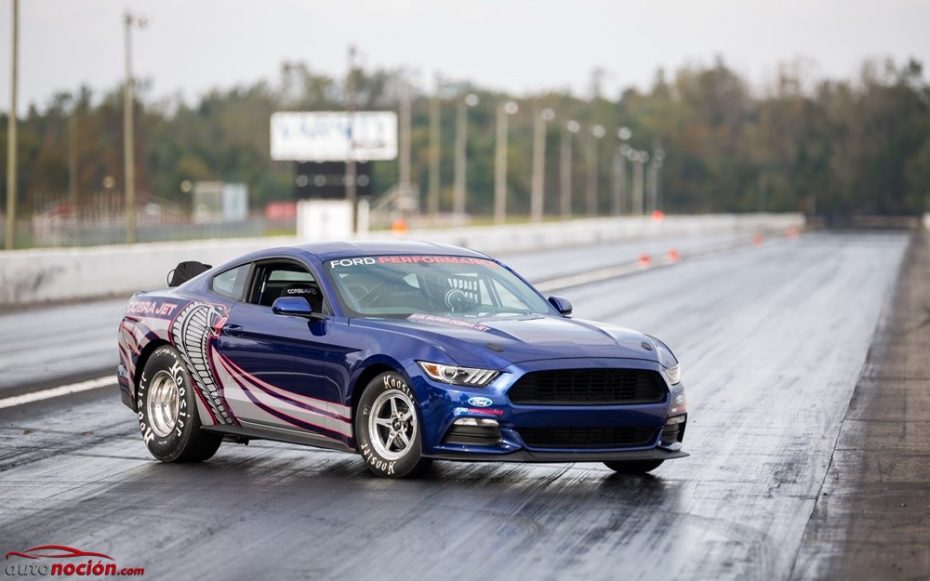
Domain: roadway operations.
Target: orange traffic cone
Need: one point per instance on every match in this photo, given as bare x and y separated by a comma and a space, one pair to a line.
399, 226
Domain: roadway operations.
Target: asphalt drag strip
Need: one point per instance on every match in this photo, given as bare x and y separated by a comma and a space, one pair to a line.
872, 519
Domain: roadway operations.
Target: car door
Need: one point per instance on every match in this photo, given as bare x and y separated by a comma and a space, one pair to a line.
287, 372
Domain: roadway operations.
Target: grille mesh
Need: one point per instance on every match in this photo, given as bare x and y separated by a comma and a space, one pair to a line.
588, 387
588, 437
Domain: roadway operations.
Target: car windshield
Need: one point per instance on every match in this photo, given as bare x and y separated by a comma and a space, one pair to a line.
460, 286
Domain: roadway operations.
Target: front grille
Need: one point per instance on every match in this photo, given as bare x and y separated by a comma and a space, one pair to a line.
588, 437
588, 387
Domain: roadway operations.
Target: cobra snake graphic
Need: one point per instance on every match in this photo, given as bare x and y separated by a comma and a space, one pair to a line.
194, 330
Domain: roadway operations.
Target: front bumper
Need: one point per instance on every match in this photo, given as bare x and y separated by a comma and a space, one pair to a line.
658, 453
442, 404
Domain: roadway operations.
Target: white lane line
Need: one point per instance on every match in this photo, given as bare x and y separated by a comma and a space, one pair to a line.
590, 277
626, 269
88, 385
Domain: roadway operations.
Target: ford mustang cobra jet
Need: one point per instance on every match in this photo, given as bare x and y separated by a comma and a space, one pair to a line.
402, 352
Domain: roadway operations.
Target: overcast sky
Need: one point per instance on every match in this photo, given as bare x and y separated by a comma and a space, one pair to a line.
523, 45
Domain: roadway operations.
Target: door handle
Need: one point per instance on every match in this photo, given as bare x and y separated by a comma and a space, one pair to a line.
233, 330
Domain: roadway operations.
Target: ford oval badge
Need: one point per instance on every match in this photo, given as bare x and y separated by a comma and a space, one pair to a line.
480, 402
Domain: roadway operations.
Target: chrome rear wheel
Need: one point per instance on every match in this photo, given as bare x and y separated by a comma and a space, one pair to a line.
163, 403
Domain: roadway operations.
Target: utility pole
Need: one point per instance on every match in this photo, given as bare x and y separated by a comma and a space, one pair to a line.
434, 104
660, 159
404, 157
597, 132
659, 185
351, 191
619, 184
651, 187
639, 159
461, 142
619, 176
537, 195
500, 162
72, 160
129, 162
11, 142
654, 167
565, 169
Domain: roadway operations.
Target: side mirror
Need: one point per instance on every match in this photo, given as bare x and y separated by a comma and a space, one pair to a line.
294, 307
563, 306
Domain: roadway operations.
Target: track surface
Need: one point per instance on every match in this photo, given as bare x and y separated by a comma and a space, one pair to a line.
772, 340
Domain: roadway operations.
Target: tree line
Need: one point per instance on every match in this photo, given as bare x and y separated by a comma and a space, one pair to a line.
824, 146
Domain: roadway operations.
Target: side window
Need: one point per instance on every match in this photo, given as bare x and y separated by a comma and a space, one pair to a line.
277, 279
231, 283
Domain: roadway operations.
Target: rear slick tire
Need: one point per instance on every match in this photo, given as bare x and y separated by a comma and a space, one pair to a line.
167, 411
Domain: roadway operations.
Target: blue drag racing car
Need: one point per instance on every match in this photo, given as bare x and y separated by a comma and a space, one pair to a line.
402, 352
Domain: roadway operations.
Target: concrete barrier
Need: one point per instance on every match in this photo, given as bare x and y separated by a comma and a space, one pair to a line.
29, 277
525, 237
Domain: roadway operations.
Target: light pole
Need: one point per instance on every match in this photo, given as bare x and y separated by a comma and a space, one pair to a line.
565, 168
403, 158
619, 173
620, 185
500, 162
597, 132
639, 159
537, 197
658, 155
434, 104
461, 141
11, 136
351, 191
72, 160
129, 171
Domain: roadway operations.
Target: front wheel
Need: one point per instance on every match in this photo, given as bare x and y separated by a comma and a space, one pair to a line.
633, 466
387, 428
167, 405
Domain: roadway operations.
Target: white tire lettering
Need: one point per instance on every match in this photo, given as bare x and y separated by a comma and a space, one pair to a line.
147, 434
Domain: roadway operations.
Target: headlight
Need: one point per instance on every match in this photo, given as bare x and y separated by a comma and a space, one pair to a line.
673, 374
458, 375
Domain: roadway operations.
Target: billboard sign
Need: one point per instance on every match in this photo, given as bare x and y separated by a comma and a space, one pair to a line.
327, 136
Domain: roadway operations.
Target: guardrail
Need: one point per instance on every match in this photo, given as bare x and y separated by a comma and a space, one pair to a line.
29, 277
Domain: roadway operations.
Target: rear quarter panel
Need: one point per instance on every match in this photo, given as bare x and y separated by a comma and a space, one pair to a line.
153, 319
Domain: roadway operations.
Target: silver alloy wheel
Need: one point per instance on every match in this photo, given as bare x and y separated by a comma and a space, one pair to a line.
392, 425
163, 403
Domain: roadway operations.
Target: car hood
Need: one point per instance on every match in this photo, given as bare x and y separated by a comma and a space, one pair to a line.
496, 343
